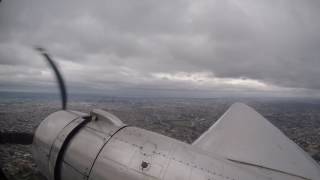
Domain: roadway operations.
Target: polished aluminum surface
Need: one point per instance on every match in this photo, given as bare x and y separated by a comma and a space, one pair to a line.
80, 154
45, 136
166, 158
86, 145
243, 135
107, 117
77, 154
57, 146
106, 149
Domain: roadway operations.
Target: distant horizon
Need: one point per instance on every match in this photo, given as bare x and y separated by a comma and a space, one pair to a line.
75, 95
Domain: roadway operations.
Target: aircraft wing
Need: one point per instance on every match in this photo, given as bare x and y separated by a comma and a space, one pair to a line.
244, 136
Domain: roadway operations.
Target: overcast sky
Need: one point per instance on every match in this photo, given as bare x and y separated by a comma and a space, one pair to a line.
200, 48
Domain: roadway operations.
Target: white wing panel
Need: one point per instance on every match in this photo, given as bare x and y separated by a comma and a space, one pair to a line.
243, 135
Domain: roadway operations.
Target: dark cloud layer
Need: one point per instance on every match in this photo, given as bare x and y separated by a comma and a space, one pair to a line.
167, 47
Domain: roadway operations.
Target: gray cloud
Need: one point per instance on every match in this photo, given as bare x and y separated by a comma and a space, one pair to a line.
161, 47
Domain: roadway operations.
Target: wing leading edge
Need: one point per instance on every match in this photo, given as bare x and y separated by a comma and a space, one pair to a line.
244, 136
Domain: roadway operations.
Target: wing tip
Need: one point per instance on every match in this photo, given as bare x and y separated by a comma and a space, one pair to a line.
240, 105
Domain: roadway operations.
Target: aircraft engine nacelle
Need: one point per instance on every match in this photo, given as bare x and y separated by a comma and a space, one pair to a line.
73, 145
68, 141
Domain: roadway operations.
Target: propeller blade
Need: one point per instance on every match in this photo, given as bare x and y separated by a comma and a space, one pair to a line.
59, 78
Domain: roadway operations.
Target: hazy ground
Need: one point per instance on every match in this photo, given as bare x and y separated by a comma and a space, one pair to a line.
183, 119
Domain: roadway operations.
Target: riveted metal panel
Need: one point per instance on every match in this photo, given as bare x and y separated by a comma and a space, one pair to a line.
112, 161
177, 170
143, 161
124, 154
151, 148
83, 149
97, 150
230, 172
137, 154
118, 151
200, 175
140, 137
183, 152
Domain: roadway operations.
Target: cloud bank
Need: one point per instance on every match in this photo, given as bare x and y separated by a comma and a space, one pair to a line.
168, 48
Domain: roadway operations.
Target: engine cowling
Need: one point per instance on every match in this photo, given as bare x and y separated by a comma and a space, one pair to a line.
72, 140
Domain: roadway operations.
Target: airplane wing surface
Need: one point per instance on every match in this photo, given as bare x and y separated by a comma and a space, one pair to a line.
244, 136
